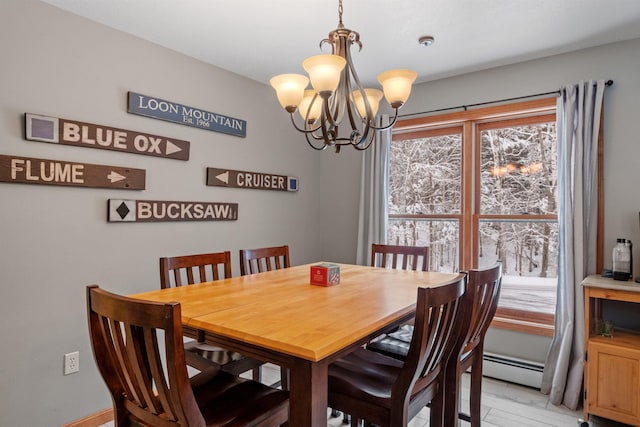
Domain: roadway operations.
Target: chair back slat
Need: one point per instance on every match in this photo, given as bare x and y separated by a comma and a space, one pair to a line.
264, 259
126, 344
486, 285
191, 269
156, 377
442, 318
400, 257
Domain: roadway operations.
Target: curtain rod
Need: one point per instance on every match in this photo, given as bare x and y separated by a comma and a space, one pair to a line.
465, 107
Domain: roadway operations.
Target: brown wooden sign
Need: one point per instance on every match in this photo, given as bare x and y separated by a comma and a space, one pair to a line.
28, 170
163, 211
71, 132
240, 179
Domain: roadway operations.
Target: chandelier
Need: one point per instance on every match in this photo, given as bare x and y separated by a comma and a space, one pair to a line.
339, 110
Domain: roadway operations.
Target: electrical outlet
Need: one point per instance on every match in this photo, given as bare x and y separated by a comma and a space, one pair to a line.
71, 363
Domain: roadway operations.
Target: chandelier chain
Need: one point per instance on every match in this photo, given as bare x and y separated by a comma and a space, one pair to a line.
340, 12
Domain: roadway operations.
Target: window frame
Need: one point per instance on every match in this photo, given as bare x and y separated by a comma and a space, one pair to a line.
471, 122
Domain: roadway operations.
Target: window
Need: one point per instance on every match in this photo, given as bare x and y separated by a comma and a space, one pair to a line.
480, 186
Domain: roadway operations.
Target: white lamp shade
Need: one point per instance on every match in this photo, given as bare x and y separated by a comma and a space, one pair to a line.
289, 89
373, 96
324, 71
310, 115
396, 85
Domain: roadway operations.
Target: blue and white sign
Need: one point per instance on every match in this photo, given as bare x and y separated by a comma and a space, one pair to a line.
161, 109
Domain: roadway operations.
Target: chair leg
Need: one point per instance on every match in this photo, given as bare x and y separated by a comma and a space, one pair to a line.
475, 390
284, 378
257, 374
451, 393
436, 409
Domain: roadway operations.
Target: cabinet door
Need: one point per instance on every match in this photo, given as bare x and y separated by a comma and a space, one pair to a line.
613, 388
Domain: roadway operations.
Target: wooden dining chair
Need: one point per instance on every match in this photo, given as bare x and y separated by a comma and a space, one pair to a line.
397, 257
485, 285
484, 289
264, 259
400, 257
137, 346
388, 392
192, 269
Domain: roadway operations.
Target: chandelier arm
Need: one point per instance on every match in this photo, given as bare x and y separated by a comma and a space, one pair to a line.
344, 141
368, 122
324, 146
365, 134
390, 124
350, 72
365, 139
352, 121
303, 130
357, 145
336, 109
356, 79
362, 148
326, 116
328, 135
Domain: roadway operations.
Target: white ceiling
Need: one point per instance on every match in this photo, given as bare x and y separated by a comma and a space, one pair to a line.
259, 39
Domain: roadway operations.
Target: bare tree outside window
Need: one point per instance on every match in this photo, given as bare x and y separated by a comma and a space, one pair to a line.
496, 195
518, 212
425, 179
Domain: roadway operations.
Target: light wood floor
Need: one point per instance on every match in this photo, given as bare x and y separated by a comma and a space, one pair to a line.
503, 405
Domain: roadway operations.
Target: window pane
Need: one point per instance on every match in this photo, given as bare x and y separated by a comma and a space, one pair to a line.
529, 255
442, 237
424, 175
518, 170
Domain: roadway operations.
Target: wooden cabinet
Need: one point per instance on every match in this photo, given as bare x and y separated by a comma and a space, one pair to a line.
612, 364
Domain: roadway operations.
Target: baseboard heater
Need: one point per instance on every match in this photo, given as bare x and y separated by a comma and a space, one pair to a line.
514, 370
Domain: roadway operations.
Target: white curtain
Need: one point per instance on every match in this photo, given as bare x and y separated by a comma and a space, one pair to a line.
578, 125
372, 219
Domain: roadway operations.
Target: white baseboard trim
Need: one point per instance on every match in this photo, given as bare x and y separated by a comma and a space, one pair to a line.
519, 371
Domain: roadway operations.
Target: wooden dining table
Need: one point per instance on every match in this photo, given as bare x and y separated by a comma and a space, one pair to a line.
279, 317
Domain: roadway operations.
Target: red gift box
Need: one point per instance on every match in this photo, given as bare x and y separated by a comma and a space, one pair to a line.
325, 274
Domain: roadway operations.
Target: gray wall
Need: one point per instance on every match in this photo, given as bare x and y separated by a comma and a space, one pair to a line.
55, 240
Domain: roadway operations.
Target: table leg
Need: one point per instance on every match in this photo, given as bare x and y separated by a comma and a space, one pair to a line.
308, 394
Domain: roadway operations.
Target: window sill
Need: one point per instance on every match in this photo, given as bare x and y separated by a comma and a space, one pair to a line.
525, 322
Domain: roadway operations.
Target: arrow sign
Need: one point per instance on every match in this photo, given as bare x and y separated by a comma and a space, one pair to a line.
172, 148
224, 177
257, 180
115, 177
70, 132
28, 170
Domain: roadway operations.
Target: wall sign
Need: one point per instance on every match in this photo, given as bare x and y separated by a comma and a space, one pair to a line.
157, 108
28, 170
163, 211
240, 179
71, 132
